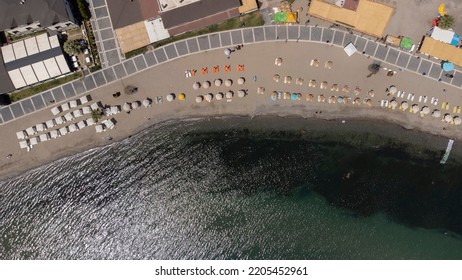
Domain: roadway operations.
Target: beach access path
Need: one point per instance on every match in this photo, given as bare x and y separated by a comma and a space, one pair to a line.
162, 72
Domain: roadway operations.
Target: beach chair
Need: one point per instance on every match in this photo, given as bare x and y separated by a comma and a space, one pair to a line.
193, 72
454, 110
443, 105
412, 97
420, 98
425, 99
409, 96
458, 109
447, 106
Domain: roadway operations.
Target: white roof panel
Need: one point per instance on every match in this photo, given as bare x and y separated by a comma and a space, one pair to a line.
442, 35
28, 74
52, 67
31, 46
54, 42
16, 78
19, 49
43, 42
40, 71
62, 64
8, 53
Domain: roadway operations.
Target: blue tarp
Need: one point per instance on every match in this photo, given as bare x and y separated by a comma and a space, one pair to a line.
293, 96
455, 40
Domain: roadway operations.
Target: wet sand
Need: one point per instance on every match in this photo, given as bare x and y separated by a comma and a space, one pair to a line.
258, 60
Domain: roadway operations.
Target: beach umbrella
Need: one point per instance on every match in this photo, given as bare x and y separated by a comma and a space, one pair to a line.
181, 96
147, 103
324, 85
274, 95
436, 113
199, 99
278, 61
331, 99
34, 141
240, 93
65, 107
371, 93
241, 81
81, 124
287, 95
309, 97
90, 121
299, 81
293, 96
209, 97
447, 118
369, 102
21, 135
329, 64
415, 108
287, 80
334, 87
260, 90
218, 82
228, 82
447, 66
63, 131
425, 110
404, 105
170, 97
457, 120
346, 88
72, 128
227, 52
55, 111
357, 101
321, 98
54, 134
126, 107
135, 105
219, 96
86, 110
312, 83
276, 78
393, 104
99, 128
73, 103
393, 90
196, 85
68, 117
357, 90
229, 94
206, 84
40, 127
340, 99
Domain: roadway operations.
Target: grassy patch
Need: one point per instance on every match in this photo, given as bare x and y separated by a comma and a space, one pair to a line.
15, 96
249, 20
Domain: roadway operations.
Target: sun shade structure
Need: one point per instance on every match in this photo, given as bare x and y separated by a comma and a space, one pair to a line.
229, 94
228, 82
278, 61
208, 97
181, 96
126, 107
170, 97
241, 93
457, 121
241, 81
135, 105
196, 85
219, 96
406, 43
218, 82
448, 118
276, 78
436, 113
147, 102
447, 66
206, 84
350, 49
404, 105
199, 99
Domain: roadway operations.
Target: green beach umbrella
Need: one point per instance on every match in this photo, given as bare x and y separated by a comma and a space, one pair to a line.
406, 43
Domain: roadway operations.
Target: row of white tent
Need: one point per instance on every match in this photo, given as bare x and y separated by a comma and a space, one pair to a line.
30, 131
32, 141
69, 105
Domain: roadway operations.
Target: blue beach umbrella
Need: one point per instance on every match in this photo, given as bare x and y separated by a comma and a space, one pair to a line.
448, 66
340, 100
293, 96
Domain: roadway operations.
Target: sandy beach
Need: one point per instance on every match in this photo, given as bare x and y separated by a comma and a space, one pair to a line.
259, 61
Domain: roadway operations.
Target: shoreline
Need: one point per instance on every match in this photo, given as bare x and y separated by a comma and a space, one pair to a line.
302, 122
258, 61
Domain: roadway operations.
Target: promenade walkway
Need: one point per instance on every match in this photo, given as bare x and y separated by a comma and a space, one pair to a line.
391, 58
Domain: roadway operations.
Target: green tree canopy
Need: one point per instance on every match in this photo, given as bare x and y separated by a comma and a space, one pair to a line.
446, 22
72, 47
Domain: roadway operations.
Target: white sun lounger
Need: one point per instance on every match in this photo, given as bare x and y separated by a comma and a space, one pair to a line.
55, 111
99, 128
59, 120
30, 131
50, 123
65, 107
44, 137
90, 121
68, 117
86, 110
81, 124
73, 104
54, 134
77, 113
24, 144
40, 127
21, 135
63, 131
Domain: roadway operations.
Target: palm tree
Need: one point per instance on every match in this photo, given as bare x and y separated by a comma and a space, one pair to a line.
96, 114
446, 22
72, 47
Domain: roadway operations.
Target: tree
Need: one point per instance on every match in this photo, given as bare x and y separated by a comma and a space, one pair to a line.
96, 114
83, 9
72, 47
446, 22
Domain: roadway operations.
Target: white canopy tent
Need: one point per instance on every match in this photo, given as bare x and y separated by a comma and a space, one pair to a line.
350, 49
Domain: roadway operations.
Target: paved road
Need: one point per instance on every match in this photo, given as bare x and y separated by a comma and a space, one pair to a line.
396, 59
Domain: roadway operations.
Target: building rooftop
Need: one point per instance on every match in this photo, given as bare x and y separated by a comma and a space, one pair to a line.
197, 10
124, 13
5, 83
47, 12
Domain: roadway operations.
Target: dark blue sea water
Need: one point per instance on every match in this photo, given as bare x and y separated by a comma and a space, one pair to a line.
220, 189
